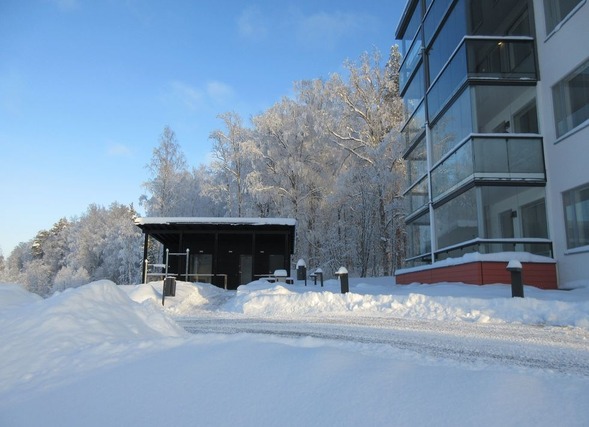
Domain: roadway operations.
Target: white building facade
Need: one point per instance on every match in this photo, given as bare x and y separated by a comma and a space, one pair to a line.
562, 40
496, 97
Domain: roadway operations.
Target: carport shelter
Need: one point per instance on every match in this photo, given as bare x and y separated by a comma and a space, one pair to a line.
226, 252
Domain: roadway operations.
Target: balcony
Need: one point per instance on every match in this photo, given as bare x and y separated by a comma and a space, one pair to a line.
493, 158
483, 59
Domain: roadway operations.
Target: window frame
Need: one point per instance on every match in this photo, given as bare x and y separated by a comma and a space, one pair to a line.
570, 199
562, 102
553, 16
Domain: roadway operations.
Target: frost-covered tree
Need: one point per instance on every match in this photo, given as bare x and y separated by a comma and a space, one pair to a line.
364, 121
168, 177
232, 151
2, 266
70, 277
292, 171
107, 244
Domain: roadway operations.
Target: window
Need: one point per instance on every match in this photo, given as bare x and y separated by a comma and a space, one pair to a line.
534, 222
414, 92
576, 216
419, 237
526, 119
556, 10
571, 100
456, 221
514, 212
452, 127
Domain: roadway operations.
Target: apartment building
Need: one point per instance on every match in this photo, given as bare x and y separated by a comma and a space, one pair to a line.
496, 96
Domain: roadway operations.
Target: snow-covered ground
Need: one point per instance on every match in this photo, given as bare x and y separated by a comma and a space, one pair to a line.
107, 355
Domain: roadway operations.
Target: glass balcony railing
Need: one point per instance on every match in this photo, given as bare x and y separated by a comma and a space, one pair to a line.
417, 196
409, 64
501, 59
415, 126
490, 158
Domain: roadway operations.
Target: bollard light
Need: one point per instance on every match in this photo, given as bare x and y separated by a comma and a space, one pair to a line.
517, 287
302, 270
342, 273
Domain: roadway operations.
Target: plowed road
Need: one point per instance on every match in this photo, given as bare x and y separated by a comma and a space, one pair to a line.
562, 350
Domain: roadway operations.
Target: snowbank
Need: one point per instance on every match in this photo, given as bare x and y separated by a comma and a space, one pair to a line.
378, 297
72, 331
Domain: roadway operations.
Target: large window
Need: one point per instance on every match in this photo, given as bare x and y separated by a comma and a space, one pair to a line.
518, 212
417, 195
447, 41
452, 127
417, 162
418, 234
456, 220
576, 215
571, 100
414, 94
556, 10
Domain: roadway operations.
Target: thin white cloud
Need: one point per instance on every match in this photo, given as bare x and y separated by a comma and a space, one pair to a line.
190, 96
212, 94
327, 30
118, 150
219, 92
251, 24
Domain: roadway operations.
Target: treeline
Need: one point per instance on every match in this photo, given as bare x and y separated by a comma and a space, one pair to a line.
103, 243
329, 156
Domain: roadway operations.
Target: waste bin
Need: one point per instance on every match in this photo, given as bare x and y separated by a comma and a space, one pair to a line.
170, 287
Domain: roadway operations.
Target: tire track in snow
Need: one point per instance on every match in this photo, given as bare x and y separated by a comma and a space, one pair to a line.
551, 349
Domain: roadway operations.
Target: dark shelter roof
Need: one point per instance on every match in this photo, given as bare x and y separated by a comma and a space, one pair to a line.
168, 229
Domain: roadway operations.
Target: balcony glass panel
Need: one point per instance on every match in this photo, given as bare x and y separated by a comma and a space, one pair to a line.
434, 17
493, 158
417, 162
455, 169
409, 64
499, 18
411, 30
452, 127
419, 237
456, 220
514, 212
415, 126
501, 59
450, 80
509, 157
507, 213
447, 40
418, 195
501, 109
414, 93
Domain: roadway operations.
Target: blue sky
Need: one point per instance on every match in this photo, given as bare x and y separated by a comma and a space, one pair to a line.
87, 86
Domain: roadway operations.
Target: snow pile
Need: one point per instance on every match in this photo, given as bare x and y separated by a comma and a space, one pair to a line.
71, 332
12, 295
443, 302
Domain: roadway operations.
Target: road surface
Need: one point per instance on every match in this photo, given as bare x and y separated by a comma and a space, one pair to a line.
563, 350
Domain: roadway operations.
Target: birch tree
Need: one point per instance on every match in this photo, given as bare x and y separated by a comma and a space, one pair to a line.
364, 122
232, 150
168, 172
